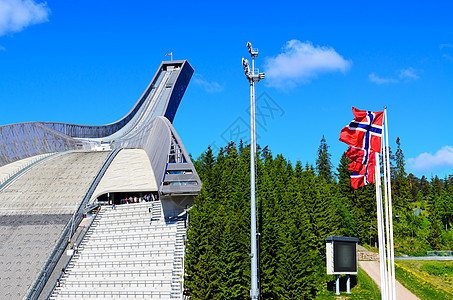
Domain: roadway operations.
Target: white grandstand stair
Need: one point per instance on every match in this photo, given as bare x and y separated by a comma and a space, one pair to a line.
157, 214
178, 260
129, 252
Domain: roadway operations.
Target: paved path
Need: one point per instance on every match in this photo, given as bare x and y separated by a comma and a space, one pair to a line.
372, 269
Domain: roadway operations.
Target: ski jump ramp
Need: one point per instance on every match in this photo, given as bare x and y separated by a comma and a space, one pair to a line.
50, 173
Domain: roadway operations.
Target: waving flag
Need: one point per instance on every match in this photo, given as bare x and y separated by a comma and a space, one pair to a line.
364, 131
358, 180
358, 155
363, 135
362, 168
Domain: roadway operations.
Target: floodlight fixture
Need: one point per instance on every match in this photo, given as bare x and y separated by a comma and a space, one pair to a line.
246, 65
253, 52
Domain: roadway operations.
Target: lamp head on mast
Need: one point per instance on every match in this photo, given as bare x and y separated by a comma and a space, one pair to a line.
253, 52
246, 65
251, 76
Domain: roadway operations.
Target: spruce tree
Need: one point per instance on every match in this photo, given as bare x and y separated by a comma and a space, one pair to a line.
345, 199
323, 163
401, 191
270, 241
434, 237
414, 185
424, 186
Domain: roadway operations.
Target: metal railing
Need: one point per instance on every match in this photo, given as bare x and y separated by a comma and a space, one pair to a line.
439, 253
122, 263
126, 214
122, 273
125, 222
73, 254
129, 245
109, 230
133, 237
119, 283
115, 294
129, 207
147, 253
49, 266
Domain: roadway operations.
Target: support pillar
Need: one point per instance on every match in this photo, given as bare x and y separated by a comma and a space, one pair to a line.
337, 285
348, 285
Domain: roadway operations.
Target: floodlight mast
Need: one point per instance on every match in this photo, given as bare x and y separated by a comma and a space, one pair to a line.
252, 77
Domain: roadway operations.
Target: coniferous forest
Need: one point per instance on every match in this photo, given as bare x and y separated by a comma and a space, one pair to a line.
299, 205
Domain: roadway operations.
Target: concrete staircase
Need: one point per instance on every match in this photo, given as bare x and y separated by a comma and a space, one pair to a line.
130, 251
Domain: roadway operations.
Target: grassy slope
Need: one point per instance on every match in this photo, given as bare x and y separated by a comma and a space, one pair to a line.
365, 289
426, 279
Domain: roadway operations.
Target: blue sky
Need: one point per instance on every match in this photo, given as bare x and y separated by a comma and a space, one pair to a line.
87, 62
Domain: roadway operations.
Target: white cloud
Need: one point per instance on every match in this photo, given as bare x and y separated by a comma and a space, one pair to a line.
409, 73
15, 15
300, 62
380, 80
445, 46
427, 162
404, 74
208, 86
447, 57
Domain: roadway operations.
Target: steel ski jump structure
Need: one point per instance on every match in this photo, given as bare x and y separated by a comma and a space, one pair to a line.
146, 126
42, 163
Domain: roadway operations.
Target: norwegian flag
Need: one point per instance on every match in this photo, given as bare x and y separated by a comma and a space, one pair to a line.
360, 156
358, 180
364, 131
362, 166
363, 135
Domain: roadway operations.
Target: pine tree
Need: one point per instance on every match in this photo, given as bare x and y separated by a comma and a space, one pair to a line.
345, 199
414, 185
445, 208
400, 187
270, 242
434, 237
323, 163
424, 186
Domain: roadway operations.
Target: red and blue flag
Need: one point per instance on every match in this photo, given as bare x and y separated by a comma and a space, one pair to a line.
362, 166
364, 131
363, 135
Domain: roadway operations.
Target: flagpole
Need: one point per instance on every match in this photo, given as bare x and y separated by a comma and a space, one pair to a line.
389, 187
387, 213
380, 224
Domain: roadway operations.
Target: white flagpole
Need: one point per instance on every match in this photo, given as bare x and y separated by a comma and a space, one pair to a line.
171, 56
392, 252
387, 226
380, 224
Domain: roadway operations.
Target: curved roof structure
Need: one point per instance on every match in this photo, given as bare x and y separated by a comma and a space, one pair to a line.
51, 172
146, 126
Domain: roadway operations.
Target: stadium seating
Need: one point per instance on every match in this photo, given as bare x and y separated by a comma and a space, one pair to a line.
130, 251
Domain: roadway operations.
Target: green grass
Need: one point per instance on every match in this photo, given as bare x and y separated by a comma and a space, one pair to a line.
364, 289
426, 279
437, 268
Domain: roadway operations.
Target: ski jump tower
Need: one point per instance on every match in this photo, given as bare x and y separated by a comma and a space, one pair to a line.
51, 173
